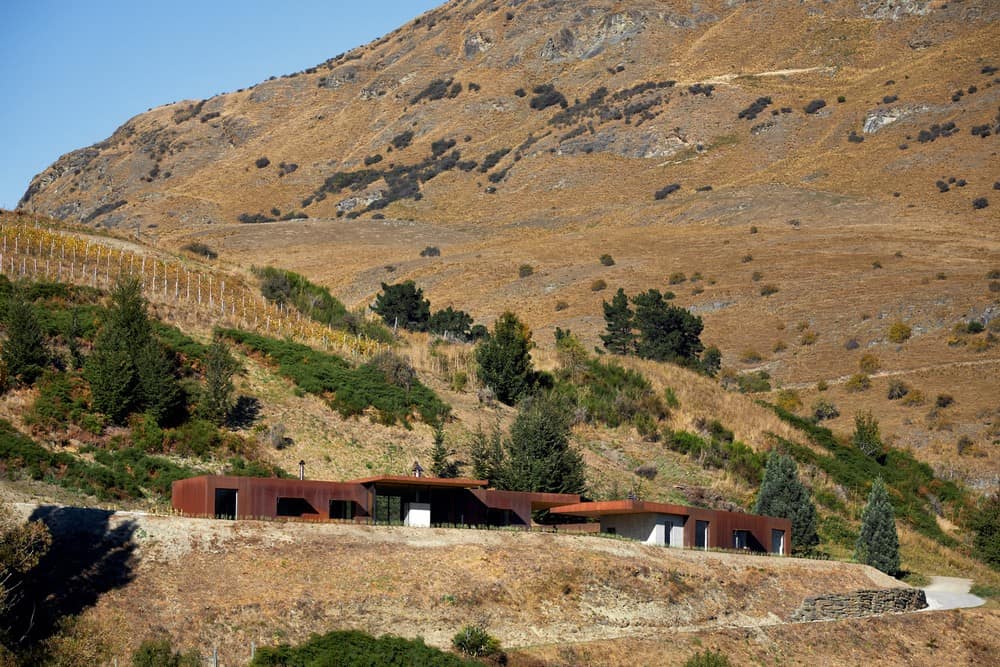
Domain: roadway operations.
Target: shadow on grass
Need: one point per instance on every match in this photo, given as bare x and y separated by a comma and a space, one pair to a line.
89, 557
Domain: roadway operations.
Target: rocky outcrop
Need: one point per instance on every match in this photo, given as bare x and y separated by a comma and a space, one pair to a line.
860, 604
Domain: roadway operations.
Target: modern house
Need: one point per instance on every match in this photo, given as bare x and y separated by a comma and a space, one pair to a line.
691, 527
385, 499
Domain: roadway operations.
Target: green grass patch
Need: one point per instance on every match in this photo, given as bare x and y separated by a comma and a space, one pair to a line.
351, 647
348, 390
610, 393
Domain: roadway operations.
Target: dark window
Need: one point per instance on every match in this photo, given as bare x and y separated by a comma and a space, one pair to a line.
740, 539
389, 509
342, 509
294, 507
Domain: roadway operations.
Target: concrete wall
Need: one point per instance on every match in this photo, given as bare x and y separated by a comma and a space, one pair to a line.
662, 529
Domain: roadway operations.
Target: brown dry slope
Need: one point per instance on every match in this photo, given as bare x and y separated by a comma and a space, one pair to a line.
217, 583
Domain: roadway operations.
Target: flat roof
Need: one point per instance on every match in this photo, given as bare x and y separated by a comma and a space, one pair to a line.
609, 507
410, 480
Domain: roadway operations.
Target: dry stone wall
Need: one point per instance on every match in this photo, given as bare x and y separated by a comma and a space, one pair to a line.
859, 604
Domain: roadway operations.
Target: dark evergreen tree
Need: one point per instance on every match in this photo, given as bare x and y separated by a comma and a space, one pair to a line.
403, 305
504, 359
878, 542
711, 361
539, 456
783, 495
217, 395
618, 318
450, 322
24, 352
986, 524
866, 434
666, 333
441, 463
128, 369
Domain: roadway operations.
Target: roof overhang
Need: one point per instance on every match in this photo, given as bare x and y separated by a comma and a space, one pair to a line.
614, 507
423, 482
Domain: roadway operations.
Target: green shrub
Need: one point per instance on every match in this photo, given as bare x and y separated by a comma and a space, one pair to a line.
869, 363
897, 389
720, 450
475, 641
598, 285
824, 409
899, 332
708, 658
525, 270
607, 260
348, 390
768, 290
752, 383
315, 302
198, 248
160, 653
351, 647
788, 399
858, 382
677, 278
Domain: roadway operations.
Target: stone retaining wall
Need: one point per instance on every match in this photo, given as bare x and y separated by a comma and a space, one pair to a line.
859, 604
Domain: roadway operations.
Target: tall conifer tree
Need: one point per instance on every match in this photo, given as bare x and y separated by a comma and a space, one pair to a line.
783, 495
878, 542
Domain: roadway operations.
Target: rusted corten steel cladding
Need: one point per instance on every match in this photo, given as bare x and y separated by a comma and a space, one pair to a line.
451, 501
722, 524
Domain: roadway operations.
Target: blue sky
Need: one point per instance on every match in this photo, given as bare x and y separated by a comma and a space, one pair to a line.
73, 71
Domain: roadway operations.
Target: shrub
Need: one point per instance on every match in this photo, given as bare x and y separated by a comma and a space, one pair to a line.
607, 260
751, 383
200, 249
475, 641
944, 400
815, 106
779, 346
666, 190
768, 289
525, 270
708, 658
160, 653
899, 332
788, 399
546, 96
866, 434
430, 251
373, 159
897, 390
561, 305
913, 397
980, 203
261, 162
753, 229
857, 383
598, 285
869, 363
402, 140
824, 409
750, 356
351, 647
852, 344
808, 338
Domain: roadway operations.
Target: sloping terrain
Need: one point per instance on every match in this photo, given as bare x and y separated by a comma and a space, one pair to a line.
222, 584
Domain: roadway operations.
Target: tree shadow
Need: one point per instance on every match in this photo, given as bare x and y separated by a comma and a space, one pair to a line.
89, 557
244, 413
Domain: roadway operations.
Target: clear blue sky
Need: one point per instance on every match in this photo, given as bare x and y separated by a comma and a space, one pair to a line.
71, 72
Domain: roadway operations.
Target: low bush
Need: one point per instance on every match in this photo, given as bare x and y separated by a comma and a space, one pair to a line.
857, 383
475, 641
768, 289
598, 285
352, 647
823, 409
261, 162
814, 106
897, 390
752, 383
431, 251
525, 270
666, 190
899, 332
200, 249
869, 363
607, 260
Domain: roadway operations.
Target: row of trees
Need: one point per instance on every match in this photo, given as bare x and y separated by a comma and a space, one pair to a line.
403, 305
648, 326
128, 369
783, 495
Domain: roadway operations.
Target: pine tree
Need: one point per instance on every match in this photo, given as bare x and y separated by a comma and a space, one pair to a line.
878, 542
486, 453
504, 359
666, 333
404, 305
986, 524
783, 495
128, 369
24, 353
217, 394
539, 456
441, 464
618, 317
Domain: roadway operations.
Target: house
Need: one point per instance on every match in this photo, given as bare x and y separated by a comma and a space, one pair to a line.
384, 499
681, 526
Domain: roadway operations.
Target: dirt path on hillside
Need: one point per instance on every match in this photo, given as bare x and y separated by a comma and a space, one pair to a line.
883, 374
727, 78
